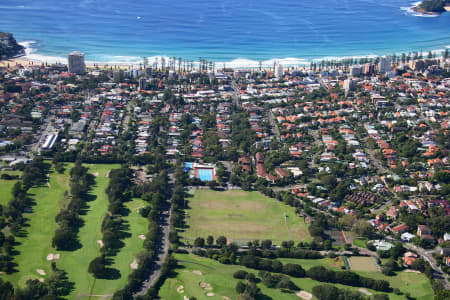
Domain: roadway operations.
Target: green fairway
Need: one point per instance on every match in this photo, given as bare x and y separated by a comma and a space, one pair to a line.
5, 191
194, 270
37, 245
242, 216
34, 248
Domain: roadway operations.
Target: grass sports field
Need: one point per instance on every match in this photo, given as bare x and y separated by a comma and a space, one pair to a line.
195, 271
37, 245
242, 216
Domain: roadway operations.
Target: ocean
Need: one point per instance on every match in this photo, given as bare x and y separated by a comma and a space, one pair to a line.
235, 32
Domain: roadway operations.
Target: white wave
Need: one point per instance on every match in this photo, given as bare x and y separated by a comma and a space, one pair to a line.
371, 56
31, 54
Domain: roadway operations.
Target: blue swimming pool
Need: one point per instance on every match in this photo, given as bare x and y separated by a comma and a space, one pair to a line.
205, 174
188, 165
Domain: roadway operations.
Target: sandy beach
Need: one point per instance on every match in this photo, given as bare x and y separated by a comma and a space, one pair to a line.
27, 62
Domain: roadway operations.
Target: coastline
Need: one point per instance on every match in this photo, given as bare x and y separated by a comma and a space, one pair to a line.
32, 58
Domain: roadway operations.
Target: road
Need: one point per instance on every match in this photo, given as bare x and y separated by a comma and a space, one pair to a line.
163, 248
236, 94
428, 256
273, 124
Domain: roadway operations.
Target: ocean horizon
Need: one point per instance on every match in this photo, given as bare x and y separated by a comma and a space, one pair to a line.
226, 32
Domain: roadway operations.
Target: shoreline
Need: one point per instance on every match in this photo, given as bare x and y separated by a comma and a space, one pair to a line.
30, 58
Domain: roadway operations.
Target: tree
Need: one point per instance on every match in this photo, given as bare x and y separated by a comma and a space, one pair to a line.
240, 287
97, 266
221, 241
266, 244
240, 274
199, 242
294, 270
286, 283
210, 240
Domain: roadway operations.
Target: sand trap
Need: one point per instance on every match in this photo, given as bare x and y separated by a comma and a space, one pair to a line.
134, 264
107, 173
141, 236
304, 295
52, 256
412, 271
365, 291
205, 286
180, 289
185, 298
197, 272
41, 272
100, 242
95, 174
210, 294
225, 298
41, 279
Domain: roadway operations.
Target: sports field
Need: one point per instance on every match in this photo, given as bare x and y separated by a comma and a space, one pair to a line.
242, 216
198, 276
34, 249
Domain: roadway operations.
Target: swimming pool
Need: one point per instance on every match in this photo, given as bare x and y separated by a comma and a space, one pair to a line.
205, 174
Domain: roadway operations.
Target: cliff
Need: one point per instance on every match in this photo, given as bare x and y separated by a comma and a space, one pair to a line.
433, 7
9, 46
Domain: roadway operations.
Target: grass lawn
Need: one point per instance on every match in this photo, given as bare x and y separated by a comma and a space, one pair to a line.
360, 242
242, 216
220, 277
35, 248
5, 191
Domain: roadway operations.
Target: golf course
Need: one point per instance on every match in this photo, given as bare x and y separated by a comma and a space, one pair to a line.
205, 278
35, 251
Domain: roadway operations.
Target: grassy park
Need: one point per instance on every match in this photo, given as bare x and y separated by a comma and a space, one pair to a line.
35, 246
242, 216
194, 271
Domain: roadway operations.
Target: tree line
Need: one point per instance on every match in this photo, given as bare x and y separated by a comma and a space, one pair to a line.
68, 218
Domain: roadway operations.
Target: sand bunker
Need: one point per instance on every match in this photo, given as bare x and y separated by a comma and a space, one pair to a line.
52, 256
41, 272
412, 271
134, 264
225, 298
100, 242
197, 272
304, 295
210, 294
365, 291
142, 237
180, 289
41, 279
185, 298
205, 286
95, 174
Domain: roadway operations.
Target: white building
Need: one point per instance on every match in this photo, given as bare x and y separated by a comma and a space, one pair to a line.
76, 63
384, 65
279, 71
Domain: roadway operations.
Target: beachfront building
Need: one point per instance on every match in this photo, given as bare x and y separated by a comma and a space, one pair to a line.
76, 63
279, 71
384, 66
